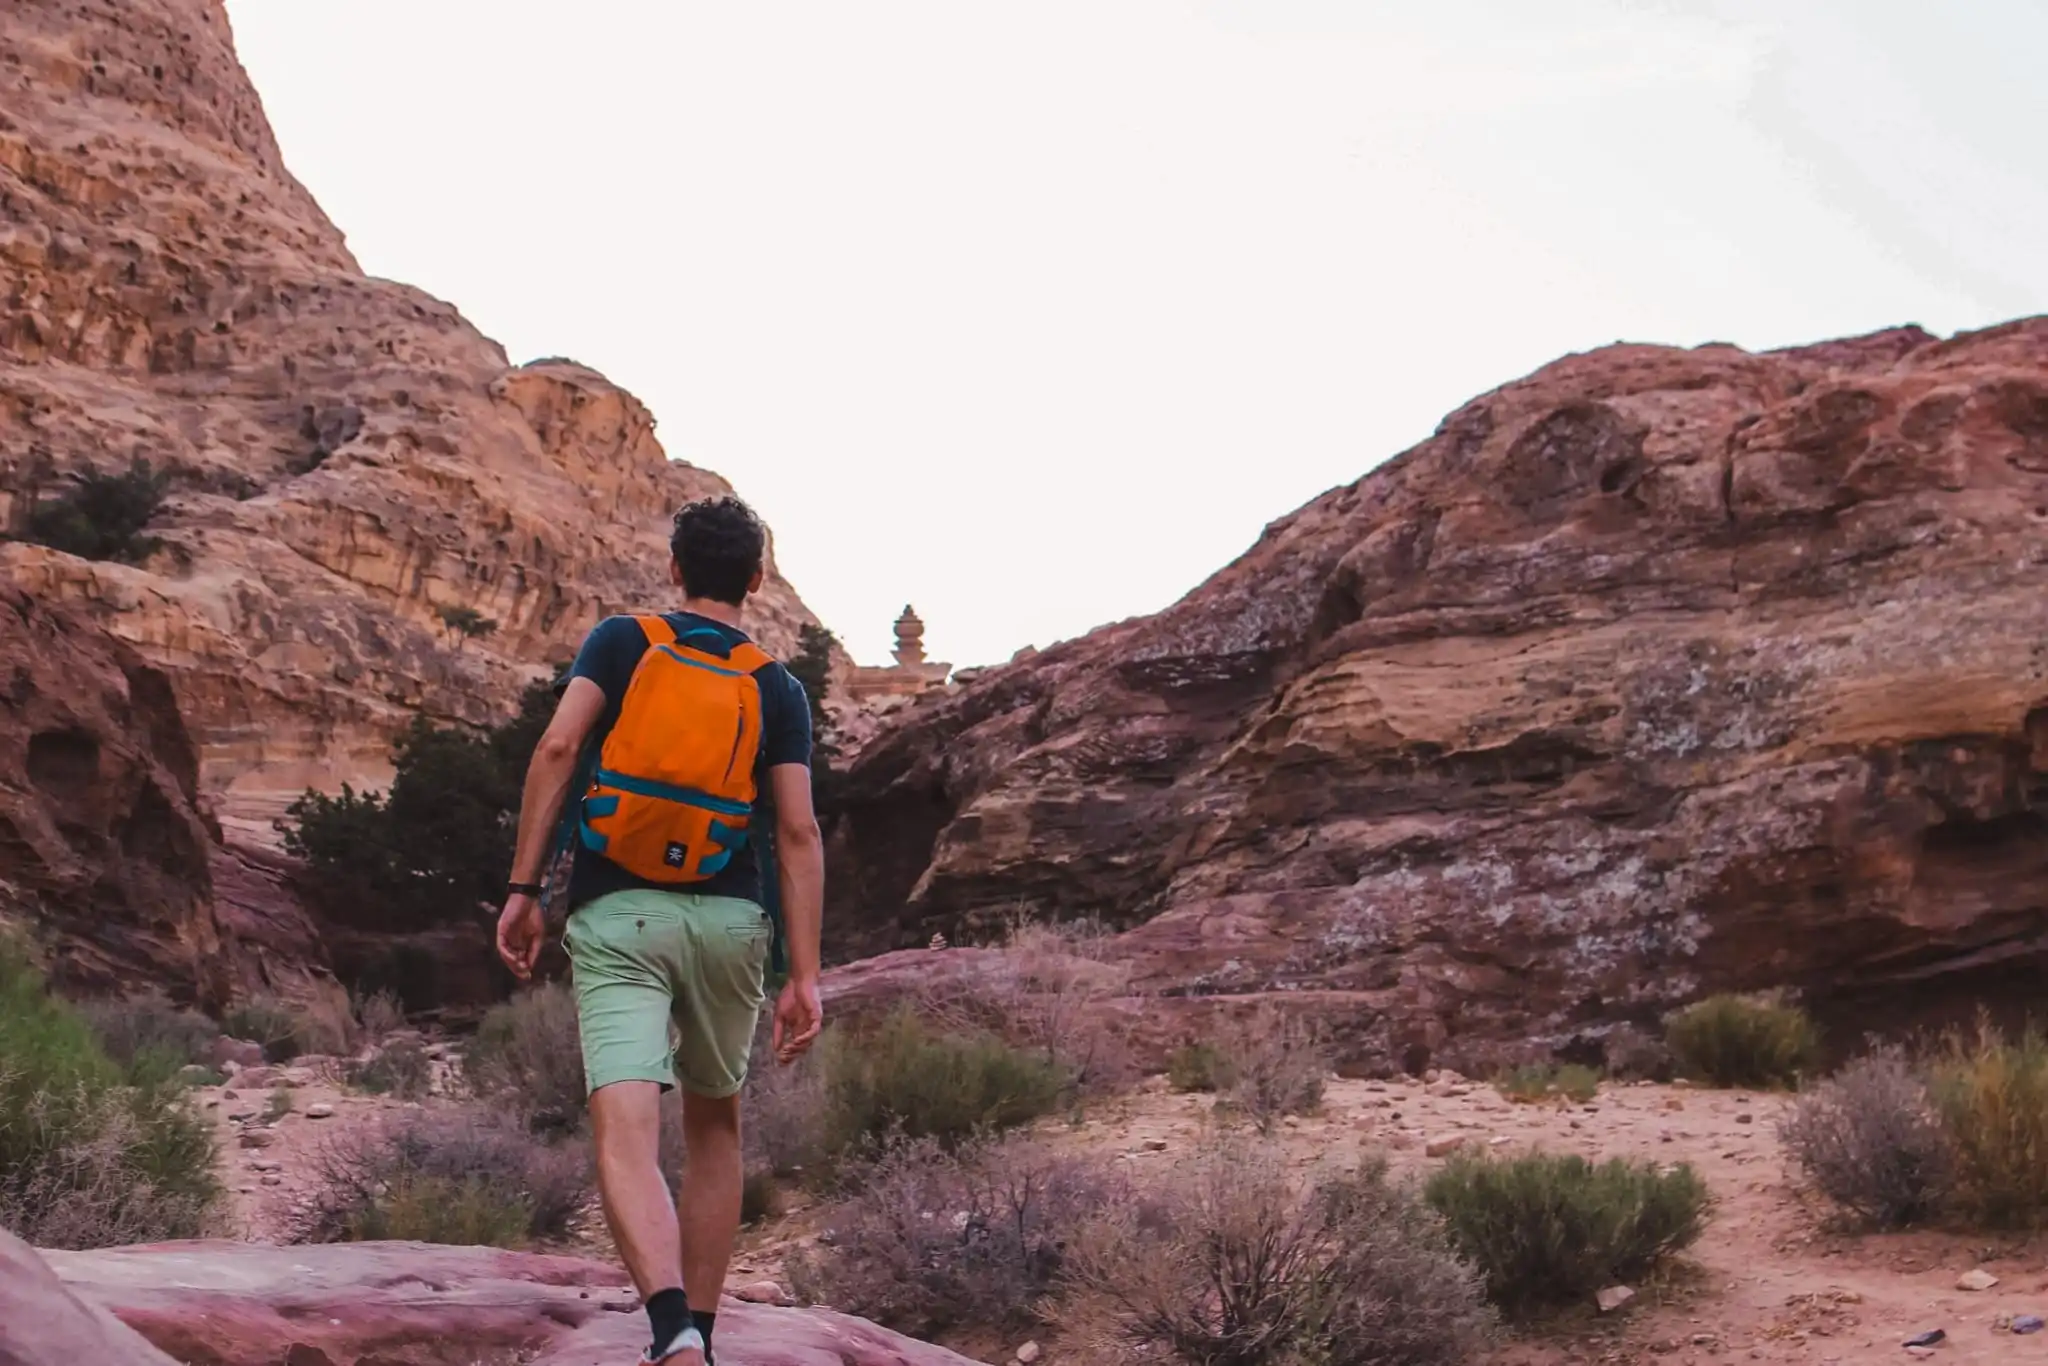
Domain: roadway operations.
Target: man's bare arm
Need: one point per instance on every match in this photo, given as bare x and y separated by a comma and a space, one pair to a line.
800, 864
548, 776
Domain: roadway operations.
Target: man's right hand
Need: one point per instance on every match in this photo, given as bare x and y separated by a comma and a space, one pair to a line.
520, 930
799, 1015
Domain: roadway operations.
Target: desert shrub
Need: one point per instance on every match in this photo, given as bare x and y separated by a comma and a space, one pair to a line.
1548, 1229
103, 516
784, 1115
1535, 1082
1228, 1263
1991, 1093
324, 1023
1743, 1041
149, 1031
400, 1068
1274, 1065
437, 843
462, 1176
378, 1014
1197, 1067
910, 1079
1870, 1141
527, 1053
931, 1238
89, 1155
268, 1023
279, 1105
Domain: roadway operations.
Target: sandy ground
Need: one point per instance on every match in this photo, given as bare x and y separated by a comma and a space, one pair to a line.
1769, 1282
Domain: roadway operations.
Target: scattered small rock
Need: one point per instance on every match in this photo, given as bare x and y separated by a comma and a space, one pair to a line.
1444, 1145
257, 1138
320, 1111
266, 1165
1928, 1338
1613, 1298
762, 1292
1029, 1353
1979, 1279
1745, 1118
272, 1179
2026, 1323
236, 1052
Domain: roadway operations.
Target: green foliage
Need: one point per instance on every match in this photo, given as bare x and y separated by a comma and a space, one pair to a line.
1229, 1262
1198, 1067
1991, 1093
268, 1023
279, 1105
90, 1155
466, 623
400, 1068
1548, 1230
907, 1079
1738, 1041
102, 518
1534, 1082
1869, 1140
527, 1056
465, 1177
437, 844
812, 667
149, 1032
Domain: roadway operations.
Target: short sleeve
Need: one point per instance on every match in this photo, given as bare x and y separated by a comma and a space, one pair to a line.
609, 655
786, 718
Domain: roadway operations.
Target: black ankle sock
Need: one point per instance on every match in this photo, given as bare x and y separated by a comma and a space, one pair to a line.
668, 1313
703, 1319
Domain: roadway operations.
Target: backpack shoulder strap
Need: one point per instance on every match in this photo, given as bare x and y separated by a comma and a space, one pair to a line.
657, 630
748, 657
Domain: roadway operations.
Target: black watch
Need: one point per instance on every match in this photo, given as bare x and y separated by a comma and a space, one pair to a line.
533, 889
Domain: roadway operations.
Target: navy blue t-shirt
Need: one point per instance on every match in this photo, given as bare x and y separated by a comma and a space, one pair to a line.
609, 655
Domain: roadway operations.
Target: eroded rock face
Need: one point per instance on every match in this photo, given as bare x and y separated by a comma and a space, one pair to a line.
409, 1304
1657, 672
101, 843
349, 457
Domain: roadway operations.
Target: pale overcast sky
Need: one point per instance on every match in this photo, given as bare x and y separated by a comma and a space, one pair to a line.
1033, 313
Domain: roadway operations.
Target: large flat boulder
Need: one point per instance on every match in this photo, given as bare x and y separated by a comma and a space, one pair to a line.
410, 1304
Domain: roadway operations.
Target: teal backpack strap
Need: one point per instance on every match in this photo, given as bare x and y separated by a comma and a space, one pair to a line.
568, 825
777, 971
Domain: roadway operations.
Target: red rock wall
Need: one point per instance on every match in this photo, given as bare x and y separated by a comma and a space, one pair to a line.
1656, 672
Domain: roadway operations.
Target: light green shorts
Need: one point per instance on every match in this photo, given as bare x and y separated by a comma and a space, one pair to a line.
642, 959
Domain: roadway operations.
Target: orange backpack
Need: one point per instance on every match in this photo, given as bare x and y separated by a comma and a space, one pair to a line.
674, 788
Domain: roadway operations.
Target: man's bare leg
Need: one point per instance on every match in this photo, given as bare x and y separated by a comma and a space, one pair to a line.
626, 1117
710, 1219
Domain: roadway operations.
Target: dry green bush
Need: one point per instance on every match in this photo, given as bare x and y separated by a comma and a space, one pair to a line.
267, 1022
91, 1155
400, 1068
1273, 1065
930, 1239
378, 1015
1548, 1230
1227, 1263
1991, 1093
527, 1053
1870, 1141
150, 1031
909, 1078
1743, 1041
460, 1176
1198, 1067
1533, 1083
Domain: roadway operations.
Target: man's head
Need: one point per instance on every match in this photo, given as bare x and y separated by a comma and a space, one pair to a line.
719, 550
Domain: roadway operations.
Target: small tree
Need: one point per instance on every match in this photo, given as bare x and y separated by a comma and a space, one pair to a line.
812, 667
465, 624
103, 517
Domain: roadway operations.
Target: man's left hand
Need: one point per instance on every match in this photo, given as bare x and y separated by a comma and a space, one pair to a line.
520, 931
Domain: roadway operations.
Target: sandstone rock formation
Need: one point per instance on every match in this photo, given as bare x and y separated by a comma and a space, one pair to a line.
1657, 672
349, 457
407, 1304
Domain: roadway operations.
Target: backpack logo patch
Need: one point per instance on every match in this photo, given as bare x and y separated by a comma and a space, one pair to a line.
675, 855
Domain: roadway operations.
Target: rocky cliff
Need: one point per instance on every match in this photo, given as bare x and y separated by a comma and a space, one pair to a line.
1656, 672
102, 846
349, 459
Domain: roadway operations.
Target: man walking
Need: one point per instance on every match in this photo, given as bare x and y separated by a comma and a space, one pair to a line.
702, 744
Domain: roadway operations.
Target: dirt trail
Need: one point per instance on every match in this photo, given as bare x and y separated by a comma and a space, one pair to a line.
1768, 1282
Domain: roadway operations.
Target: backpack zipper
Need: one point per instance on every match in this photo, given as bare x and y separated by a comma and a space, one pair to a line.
739, 733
